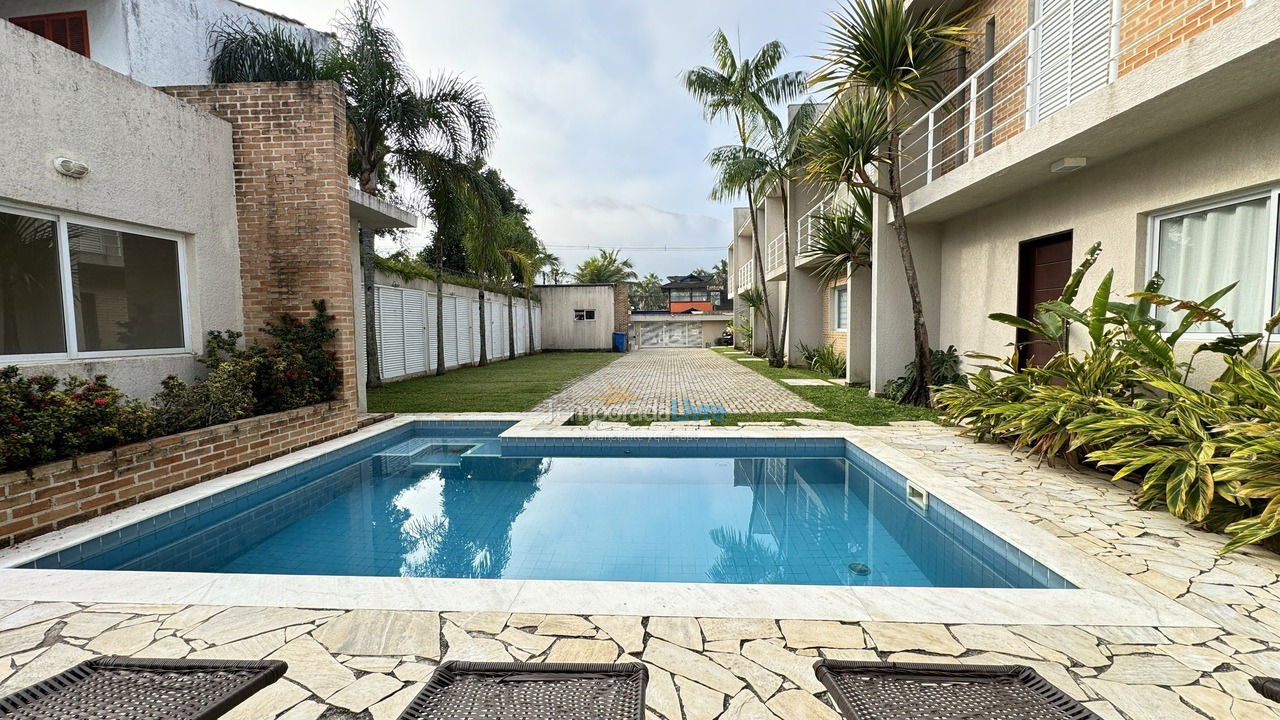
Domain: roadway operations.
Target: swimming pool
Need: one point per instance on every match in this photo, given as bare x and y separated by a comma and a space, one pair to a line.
454, 500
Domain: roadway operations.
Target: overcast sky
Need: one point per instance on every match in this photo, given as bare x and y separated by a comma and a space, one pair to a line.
597, 133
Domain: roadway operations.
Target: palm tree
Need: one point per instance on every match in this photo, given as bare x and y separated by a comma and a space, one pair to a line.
720, 273
552, 268
485, 259
774, 158
393, 119
743, 91
605, 268
842, 239
646, 294
884, 58
517, 246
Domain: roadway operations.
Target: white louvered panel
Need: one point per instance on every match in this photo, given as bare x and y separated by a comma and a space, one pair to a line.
450, 331
1090, 46
522, 331
1073, 51
498, 329
388, 311
415, 331
431, 332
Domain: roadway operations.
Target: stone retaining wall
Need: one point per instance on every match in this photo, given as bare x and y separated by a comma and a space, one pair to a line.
59, 494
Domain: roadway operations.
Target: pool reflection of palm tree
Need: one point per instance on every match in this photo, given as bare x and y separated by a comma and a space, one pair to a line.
471, 538
743, 559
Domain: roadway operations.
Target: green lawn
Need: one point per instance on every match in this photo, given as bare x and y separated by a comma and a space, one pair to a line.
845, 404
507, 386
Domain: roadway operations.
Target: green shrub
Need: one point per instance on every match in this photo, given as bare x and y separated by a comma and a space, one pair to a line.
45, 419
946, 371
1211, 457
824, 359
226, 394
295, 370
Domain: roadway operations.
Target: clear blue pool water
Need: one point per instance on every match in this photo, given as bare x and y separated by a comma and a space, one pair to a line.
454, 501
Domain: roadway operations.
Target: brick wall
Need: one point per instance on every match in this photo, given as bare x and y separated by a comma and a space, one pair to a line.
621, 307
1153, 27
290, 146
54, 496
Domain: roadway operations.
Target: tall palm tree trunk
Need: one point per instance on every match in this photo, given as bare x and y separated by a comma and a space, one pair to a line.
439, 313
373, 373
920, 394
759, 260
786, 293
484, 330
511, 322
528, 305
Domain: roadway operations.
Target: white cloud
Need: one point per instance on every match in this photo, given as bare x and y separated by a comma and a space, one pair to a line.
597, 134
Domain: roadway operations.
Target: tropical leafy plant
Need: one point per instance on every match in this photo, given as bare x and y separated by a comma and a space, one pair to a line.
946, 370
842, 239
1125, 404
824, 359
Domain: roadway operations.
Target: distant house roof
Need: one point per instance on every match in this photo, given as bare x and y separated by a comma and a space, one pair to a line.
685, 281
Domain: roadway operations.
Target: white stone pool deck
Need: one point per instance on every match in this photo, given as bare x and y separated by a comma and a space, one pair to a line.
367, 663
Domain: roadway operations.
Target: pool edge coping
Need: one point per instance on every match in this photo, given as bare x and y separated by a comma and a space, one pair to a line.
1104, 595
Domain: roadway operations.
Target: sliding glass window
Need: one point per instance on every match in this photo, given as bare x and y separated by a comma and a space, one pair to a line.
73, 287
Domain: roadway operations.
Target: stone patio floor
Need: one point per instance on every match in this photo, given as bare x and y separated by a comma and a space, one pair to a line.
644, 382
368, 663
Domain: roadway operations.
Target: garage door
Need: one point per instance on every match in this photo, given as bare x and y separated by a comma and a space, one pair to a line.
671, 334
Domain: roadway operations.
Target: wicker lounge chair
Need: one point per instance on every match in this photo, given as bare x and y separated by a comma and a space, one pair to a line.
917, 691
119, 688
532, 691
1267, 687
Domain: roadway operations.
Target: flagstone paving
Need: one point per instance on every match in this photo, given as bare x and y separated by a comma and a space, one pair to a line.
368, 664
647, 381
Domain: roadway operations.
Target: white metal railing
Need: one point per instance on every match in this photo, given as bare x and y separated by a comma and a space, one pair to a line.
1073, 49
775, 256
746, 275
809, 223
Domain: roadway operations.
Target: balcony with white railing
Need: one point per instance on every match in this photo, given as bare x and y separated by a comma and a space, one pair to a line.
1074, 48
746, 276
775, 256
808, 229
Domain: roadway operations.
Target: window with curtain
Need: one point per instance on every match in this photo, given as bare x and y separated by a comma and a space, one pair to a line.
840, 307
71, 287
1201, 251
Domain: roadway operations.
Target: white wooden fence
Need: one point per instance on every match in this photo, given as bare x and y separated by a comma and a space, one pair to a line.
406, 329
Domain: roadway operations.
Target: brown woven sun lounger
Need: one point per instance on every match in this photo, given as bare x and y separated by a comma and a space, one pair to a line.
531, 691
920, 691
119, 688
1267, 687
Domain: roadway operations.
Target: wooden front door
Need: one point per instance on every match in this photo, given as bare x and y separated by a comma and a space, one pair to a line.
1044, 264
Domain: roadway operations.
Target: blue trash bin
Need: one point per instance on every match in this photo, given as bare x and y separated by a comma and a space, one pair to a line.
620, 342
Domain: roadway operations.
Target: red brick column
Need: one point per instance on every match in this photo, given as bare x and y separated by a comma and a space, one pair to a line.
290, 147
621, 307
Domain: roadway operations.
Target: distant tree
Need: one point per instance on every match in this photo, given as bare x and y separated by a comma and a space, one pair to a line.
646, 293
606, 267
720, 273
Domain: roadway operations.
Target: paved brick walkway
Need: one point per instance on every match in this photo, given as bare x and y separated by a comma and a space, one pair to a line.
644, 382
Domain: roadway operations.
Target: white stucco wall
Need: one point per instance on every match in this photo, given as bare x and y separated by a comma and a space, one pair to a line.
156, 42
154, 161
1109, 203
561, 332
891, 321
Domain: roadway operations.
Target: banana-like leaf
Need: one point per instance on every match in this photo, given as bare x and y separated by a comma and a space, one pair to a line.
1098, 312
1015, 321
1063, 310
1228, 344
1072, 288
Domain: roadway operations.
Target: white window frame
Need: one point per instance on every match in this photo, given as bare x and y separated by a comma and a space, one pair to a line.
73, 352
584, 312
1273, 231
835, 307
